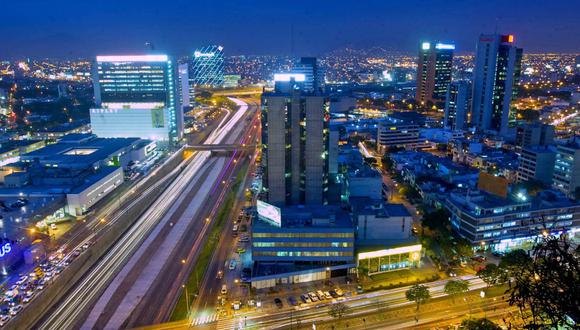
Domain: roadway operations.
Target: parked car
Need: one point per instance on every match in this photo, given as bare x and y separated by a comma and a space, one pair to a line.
278, 303
313, 296
305, 298
292, 301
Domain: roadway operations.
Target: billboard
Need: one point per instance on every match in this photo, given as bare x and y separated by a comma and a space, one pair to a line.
269, 213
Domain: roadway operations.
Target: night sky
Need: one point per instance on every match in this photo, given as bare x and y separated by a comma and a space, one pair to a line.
84, 28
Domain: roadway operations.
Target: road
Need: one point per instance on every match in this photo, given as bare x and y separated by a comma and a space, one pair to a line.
74, 305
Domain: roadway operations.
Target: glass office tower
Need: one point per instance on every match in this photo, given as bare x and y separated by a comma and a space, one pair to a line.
207, 69
434, 72
135, 97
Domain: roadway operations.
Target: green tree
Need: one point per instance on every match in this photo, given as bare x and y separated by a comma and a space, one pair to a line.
463, 248
456, 287
419, 294
338, 310
479, 324
514, 259
548, 287
491, 274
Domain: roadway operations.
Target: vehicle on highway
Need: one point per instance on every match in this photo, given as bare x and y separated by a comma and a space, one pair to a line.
22, 280
359, 289
237, 305
4, 319
233, 264
224, 289
278, 303
220, 275
14, 310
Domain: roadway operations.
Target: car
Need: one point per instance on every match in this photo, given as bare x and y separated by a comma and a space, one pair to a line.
85, 246
40, 287
452, 273
278, 303
327, 295
53, 226
333, 294
220, 275
237, 304
224, 289
313, 296
4, 319
23, 286
14, 287
305, 298
339, 292
14, 310
26, 299
359, 289
292, 301
479, 258
320, 295
233, 264
22, 280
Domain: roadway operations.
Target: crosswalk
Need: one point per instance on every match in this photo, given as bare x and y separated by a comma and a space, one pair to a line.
205, 319
220, 323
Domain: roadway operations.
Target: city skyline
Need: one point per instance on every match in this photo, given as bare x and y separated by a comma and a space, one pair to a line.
299, 28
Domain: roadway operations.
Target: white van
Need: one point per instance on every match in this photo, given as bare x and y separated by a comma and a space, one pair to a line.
224, 289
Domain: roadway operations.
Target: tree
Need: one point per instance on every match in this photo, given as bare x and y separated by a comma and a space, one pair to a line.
419, 294
513, 260
456, 287
491, 274
437, 220
548, 287
463, 248
338, 310
479, 324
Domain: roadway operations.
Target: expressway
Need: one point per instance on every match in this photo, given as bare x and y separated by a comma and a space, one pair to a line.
74, 306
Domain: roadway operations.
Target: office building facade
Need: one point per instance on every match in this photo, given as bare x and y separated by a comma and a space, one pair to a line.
567, 169
457, 102
400, 134
313, 74
295, 142
434, 72
207, 67
184, 91
536, 163
135, 96
495, 78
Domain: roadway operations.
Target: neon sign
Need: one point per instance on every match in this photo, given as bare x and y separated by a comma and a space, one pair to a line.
6, 248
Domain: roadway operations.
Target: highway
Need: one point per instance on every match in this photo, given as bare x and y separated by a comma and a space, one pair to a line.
76, 302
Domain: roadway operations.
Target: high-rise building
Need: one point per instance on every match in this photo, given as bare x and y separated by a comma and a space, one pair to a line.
497, 72
434, 72
567, 168
135, 97
313, 74
457, 102
207, 69
183, 88
534, 134
295, 142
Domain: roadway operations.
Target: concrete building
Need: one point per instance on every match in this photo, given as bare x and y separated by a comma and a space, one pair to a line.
434, 72
207, 69
457, 104
135, 96
364, 181
396, 133
567, 169
502, 224
184, 91
295, 142
535, 134
536, 163
495, 77
93, 189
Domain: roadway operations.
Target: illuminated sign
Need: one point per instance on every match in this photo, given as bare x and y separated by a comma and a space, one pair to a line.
269, 213
425, 46
390, 252
444, 46
133, 58
289, 76
200, 54
6, 248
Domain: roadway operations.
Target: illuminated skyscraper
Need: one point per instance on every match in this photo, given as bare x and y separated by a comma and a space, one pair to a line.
434, 72
497, 72
457, 104
295, 142
313, 74
183, 88
135, 97
207, 68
